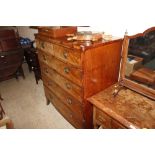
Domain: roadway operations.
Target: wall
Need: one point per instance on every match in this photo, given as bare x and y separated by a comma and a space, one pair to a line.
26, 32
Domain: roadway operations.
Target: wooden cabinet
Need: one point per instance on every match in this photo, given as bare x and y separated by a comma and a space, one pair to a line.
11, 55
72, 72
126, 110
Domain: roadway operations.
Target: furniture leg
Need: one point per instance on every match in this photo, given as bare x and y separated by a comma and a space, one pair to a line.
47, 101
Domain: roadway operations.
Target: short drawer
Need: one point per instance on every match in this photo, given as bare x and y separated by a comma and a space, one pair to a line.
102, 119
69, 71
64, 83
44, 57
67, 55
63, 109
68, 99
45, 46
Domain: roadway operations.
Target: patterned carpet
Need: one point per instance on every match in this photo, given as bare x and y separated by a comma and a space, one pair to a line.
25, 103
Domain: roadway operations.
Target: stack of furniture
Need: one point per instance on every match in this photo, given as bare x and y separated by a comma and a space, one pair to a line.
11, 55
72, 71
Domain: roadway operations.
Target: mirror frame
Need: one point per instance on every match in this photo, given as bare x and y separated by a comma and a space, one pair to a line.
123, 81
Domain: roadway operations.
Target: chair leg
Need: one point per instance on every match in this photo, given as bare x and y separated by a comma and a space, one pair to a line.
47, 101
1, 97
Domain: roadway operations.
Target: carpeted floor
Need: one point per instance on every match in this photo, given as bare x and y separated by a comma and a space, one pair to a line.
25, 103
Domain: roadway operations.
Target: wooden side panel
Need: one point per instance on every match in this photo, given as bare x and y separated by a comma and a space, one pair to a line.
101, 67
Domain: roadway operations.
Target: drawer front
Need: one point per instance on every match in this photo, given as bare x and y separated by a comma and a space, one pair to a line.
117, 125
68, 99
44, 57
7, 60
44, 46
63, 109
8, 71
65, 84
67, 55
103, 119
70, 72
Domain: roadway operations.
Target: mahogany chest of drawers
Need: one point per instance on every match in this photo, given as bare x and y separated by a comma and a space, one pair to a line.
72, 71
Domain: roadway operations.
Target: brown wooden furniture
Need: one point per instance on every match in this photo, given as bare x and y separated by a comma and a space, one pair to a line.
72, 71
11, 55
142, 45
127, 109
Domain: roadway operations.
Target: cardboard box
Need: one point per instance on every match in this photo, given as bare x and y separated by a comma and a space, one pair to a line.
132, 65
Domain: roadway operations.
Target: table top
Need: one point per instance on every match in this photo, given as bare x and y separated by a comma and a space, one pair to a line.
128, 107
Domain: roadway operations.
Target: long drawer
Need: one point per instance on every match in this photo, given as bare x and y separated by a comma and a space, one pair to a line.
64, 83
63, 109
7, 60
68, 99
69, 71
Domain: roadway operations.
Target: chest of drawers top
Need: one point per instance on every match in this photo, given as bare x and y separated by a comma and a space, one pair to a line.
75, 45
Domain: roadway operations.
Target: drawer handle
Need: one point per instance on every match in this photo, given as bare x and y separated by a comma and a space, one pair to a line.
2, 56
69, 101
68, 86
42, 45
65, 54
66, 70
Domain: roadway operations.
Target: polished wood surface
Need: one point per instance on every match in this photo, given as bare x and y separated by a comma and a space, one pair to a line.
128, 108
74, 70
62, 108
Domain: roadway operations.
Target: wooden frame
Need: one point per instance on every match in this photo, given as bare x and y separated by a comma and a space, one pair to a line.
123, 81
